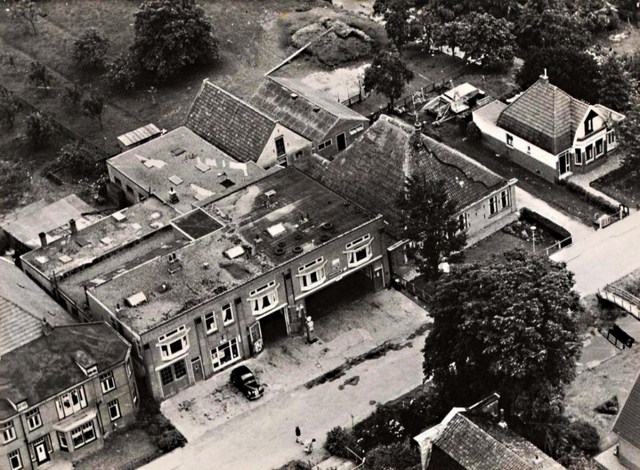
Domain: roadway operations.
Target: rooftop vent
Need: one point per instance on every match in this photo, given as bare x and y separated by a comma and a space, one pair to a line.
205, 265
276, 230
43, 239
175, 179
177, 151
82, 242
294, 96
270, 194
119, 216
136, 299
316, 109
227, 183
203, 167
42, 260
279, 251
173, 196
327, 226
234, 252
156, 215
65, 259
73, 227
106, 240
297, 249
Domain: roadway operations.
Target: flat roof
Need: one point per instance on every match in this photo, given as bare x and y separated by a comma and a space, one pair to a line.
104, 236
195, 169
26, 223
197, 224
273, 220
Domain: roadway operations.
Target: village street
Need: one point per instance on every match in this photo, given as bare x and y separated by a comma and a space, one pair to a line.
264, 437
604, 256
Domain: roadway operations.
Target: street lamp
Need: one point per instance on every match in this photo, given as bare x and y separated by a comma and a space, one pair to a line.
533, 237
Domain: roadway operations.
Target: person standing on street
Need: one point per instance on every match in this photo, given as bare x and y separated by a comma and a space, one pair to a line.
298, 433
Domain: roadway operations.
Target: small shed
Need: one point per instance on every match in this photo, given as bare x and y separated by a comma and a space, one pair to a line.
139, 136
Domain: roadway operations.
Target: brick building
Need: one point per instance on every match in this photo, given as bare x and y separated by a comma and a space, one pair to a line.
249, 276
63, 393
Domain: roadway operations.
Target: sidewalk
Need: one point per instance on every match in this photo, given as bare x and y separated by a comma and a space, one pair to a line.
585, 179
578, 230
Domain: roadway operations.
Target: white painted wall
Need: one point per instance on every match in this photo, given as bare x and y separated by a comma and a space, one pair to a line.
292, 143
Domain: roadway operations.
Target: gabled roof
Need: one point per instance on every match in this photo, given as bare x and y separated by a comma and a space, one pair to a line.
45, 367
301, 108
224, 120
628, 423
23, 307
477, 443
372, 170
544, 115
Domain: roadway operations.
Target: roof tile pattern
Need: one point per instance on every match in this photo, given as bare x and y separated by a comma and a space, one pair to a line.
628, 423
544, 115
229, 123
372, 171
300, 108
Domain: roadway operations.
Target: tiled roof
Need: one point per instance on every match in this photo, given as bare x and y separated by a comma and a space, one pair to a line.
481, 445
23, 306
628, 423
544, 115
229, 123
310, 113
372, 171
43, 368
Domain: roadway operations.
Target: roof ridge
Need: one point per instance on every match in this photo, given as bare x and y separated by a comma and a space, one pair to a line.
309, 99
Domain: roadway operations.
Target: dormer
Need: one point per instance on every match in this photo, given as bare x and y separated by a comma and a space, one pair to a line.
85, 362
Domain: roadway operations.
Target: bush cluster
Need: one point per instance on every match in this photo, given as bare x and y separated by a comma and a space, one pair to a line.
597, 201
164, 434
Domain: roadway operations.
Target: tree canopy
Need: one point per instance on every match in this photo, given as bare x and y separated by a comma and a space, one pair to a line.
387, 75
629, 134
90, 49
615, 84
171, 35
38, 130
486, 39
507, 325
429, 219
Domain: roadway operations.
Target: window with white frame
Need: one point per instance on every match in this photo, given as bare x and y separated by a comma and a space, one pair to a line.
264, 298
62, 440
15, 460
34, 421
82, 435
173, 372
359, 251
312, 274
589, 153
225, 353
129, 368
599, 147
611, 138
509, 140
107, 382
210, 322
588, 125
8, 432
356, 129
174, 343
504, 200
463, 220
499, 202
325, 144
114, 409
71, 402
227, 314
578, 156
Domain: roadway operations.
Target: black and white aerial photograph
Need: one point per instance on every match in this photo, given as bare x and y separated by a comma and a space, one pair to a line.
320, 234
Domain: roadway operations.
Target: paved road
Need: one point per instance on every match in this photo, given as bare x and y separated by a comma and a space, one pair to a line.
264, 438
605, 256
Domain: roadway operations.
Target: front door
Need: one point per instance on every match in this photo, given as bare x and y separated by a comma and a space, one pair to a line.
342, 142
196, 364
563, 164
42, 455
378, 279
255, 333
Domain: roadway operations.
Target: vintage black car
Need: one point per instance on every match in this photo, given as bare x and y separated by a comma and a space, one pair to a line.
243, 378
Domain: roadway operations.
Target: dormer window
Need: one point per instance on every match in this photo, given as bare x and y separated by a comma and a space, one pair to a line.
588, 125
71, 402
174, 343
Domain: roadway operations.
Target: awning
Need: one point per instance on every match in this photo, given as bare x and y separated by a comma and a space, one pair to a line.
75, 420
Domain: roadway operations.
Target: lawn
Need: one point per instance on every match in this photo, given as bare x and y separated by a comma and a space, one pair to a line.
622, 185
121, 451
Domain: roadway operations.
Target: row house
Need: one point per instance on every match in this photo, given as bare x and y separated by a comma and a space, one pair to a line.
63, 393
328, 124
251, 274
373, 170
243, 131
548, 131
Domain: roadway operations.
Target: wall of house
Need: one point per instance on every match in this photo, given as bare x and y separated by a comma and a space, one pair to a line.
291, 299
345, 127
628, 454
521, 152
480, 219
95, 399
583, 140
293, 143
132, 190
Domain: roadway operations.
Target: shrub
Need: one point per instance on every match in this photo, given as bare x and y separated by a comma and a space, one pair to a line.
338, 439
398, 456
122, 73
90, 49
169, 440
473, 132
38, 130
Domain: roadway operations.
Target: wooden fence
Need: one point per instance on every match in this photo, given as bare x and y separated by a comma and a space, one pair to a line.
557, 246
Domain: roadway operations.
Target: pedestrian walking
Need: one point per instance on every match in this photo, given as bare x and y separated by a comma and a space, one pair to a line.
308, 447
298, 434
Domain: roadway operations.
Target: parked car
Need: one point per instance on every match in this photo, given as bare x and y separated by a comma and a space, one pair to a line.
245, 380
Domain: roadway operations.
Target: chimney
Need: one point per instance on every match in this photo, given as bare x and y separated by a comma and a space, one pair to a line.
43, 239
73, 226
544, 77
173, 196
502, 423
46, 327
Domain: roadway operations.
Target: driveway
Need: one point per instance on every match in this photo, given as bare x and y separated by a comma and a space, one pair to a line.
264, 438
605, 256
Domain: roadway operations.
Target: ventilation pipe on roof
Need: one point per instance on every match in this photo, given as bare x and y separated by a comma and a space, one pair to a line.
46, 327
294, 96
73, 227
544, 77
43, 239
173, 196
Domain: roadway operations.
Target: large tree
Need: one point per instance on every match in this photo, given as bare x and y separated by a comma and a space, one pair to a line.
570, 69
387, 75
9, 107
171, 35
400, 20
486, 39
90, 49
507, 325
615, 84
551, 28
429, 218
629, 135
38, 130
39, 75
26, 10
